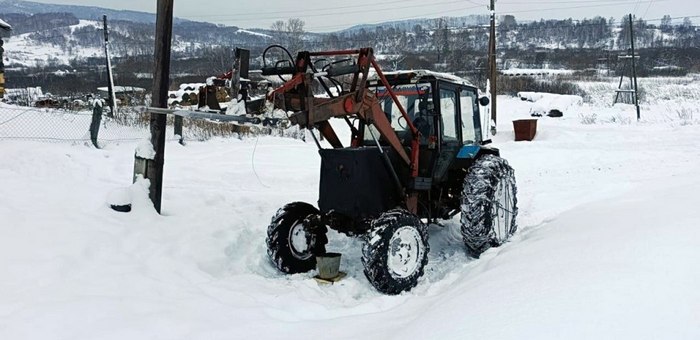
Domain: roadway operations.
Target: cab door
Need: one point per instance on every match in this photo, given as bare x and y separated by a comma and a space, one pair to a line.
469, 123
450, 137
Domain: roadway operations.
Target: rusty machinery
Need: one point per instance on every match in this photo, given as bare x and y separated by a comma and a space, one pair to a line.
415, 157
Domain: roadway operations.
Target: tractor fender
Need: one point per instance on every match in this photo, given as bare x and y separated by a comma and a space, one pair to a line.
467, 154
471, 152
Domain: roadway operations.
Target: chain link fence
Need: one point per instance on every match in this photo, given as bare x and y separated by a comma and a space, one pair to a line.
40, 124
127, 125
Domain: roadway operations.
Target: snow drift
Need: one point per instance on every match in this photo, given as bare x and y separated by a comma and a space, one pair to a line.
606, 246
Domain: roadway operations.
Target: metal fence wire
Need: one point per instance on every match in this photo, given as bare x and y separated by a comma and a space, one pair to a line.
126, 125
41, 124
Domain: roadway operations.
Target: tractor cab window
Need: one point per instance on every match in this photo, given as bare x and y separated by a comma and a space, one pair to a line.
468, 107
448, 113
416, 99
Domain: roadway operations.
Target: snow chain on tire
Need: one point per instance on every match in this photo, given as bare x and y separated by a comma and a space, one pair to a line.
478, 198
377, 251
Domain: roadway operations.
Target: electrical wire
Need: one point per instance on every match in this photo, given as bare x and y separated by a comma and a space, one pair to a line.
15, 117
421, 16
302, 10
648, 7
252, 162
364, 10
616, 3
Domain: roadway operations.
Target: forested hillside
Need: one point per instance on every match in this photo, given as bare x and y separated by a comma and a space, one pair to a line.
456, 44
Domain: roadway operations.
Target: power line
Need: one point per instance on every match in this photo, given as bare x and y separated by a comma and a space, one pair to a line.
675, 18
385, 21
617, 3
345, 12
558, 2
299, 11
648, 7
636, 6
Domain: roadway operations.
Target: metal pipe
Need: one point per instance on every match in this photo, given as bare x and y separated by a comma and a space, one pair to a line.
386, 84
387, 163
329, 53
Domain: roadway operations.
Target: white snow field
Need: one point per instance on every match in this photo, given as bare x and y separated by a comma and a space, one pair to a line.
607, 247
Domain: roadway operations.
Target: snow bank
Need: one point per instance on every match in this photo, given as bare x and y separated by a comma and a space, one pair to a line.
236, 108
612, 269
544, 103
535, 72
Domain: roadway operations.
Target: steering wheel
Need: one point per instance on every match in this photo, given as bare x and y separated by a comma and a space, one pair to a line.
404, 125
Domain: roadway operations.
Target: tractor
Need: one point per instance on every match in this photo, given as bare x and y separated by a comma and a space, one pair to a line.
415, 157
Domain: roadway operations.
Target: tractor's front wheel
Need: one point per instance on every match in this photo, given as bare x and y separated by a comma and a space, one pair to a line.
395, 252
293, 240
489, 204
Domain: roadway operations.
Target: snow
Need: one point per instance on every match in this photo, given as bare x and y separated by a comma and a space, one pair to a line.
87, 23
145, 150
5, 25
543, 103
236, 108
606, 245
423, 73
123, 89
22, 50
253, 33
191, 89
535, 71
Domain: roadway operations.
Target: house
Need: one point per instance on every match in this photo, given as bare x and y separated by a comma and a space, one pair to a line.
126, 95
5, 30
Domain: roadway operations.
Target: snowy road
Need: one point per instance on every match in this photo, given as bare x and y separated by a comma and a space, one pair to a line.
607, 246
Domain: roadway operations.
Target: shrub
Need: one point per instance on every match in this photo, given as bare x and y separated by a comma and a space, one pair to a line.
513, 85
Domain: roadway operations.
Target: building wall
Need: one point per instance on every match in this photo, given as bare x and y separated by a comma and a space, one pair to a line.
2, 69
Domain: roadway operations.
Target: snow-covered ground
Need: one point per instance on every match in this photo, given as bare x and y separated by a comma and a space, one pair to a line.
607, 246
23, 50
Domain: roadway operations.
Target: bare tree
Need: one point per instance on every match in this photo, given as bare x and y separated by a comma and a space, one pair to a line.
441, 38
279, 26
291, 33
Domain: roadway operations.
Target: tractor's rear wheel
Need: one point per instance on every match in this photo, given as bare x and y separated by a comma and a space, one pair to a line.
395, 252
293, 241
489, 204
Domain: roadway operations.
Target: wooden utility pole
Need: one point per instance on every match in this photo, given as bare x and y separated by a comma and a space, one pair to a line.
634, 91
634, 68
492, 65
110, 78
161, 82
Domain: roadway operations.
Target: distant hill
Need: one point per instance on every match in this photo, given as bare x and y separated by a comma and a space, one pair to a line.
409, 24
60, 39
81, 12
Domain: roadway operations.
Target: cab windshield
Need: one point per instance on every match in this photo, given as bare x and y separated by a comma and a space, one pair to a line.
416, 99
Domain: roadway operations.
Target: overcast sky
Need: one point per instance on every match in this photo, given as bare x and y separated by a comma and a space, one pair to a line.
331, 15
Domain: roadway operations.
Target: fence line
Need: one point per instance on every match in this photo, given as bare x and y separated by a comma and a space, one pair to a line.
128, 124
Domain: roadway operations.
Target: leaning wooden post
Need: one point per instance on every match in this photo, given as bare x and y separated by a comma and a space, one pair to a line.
177, 127
161, 80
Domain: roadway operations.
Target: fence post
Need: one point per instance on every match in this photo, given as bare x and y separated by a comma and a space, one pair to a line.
178, 129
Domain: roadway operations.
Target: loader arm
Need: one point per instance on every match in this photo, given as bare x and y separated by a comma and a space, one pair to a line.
310, 111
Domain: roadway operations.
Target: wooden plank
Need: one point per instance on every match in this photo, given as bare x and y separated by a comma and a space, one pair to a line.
331, 281
204, 115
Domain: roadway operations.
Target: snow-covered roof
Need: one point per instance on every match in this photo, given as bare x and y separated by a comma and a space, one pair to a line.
5, 26
417, 75
123, 89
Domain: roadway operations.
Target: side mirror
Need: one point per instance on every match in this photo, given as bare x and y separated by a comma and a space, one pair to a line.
484, 101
